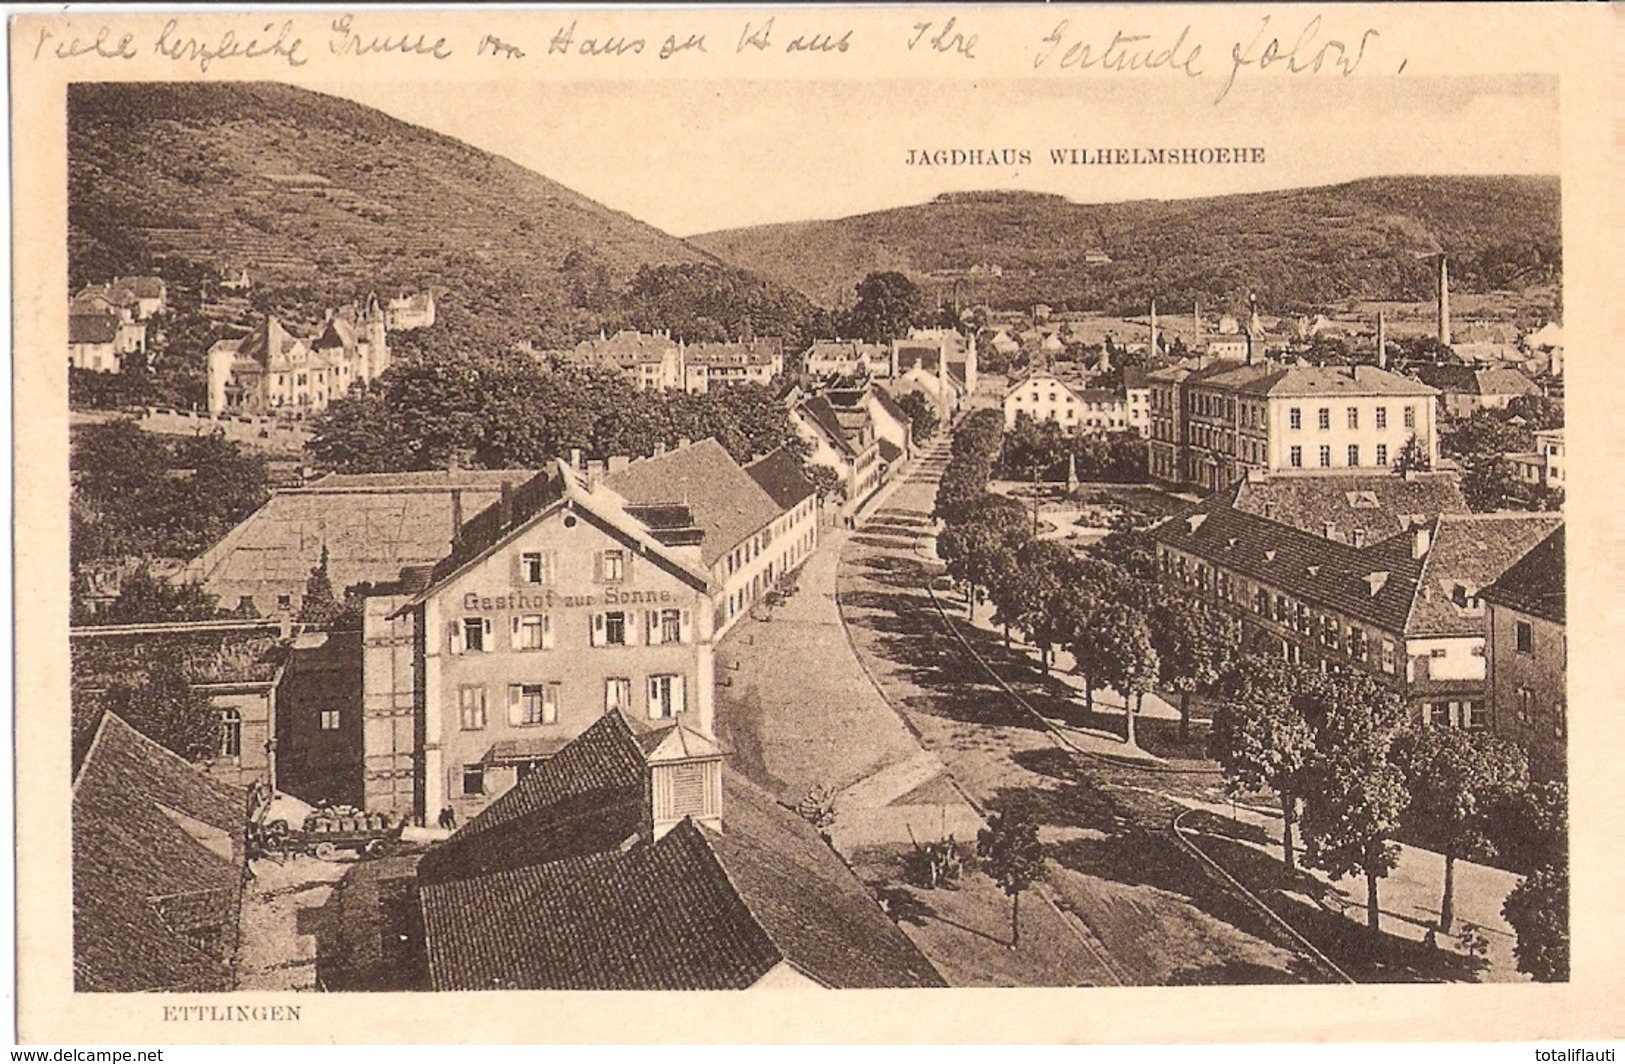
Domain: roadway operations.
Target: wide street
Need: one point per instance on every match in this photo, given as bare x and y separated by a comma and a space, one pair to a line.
862, 685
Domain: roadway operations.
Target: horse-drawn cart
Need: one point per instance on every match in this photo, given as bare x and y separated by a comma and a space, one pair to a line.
323, 831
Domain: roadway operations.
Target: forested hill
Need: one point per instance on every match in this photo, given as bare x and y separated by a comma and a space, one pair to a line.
322, 199
1295, 249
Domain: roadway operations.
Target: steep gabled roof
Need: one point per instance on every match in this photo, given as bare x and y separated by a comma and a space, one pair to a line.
818, 410
92, 328
779, 473
158, 848
727, 504
1536, 584
542, 494
144, 287
1472, 551
553, 887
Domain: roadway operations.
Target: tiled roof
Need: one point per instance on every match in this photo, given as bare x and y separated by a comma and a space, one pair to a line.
270, 344
1471, 550
818, 410
726, 502
779, 473
626, 348
1135, 378
1382, 506
1410, 596
549, 889
889, 405
1465, 380
491, 525
120, 295
157, 845
751, 353
1313, 381
145, 287
956, 370
92, 328
1536, 584
1320, 571
847, 350
927, 354
373, 525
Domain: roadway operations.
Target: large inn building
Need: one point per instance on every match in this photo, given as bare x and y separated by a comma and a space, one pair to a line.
1213, 425
567, 599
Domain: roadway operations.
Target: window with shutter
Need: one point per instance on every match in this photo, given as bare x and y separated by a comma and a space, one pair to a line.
457, 637
547, 631
599, 630
618, 693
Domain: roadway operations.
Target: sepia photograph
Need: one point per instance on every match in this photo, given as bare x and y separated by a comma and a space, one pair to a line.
587, 531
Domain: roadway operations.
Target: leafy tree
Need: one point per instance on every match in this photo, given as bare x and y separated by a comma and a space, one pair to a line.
1413, 458
981, 547
1195, 646
144, 598
826, 480
136, 493
1042, 569
1354, 794
320, 607
888, 305
922, 418
1538, 910
1454, 777
1115, 648
1013, 856
1130, 549
1529, 826
165, 708
1487, 482
1537, 411
1260, 739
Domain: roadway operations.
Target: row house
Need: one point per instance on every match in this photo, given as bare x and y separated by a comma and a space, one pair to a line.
707, 366
653, 361
755, 524
848, 358
1407, 609
845, 441
892, 426
1045, 397
1465, 390
1528, 656
272, 371
1214, 425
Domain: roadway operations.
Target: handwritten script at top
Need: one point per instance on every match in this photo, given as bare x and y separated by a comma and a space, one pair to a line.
1069, 45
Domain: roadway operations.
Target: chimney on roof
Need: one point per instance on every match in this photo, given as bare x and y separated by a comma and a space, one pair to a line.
1331, 529
618, 462
456, 512
505, 503
660, 448
1421, 539
1382, 340
683, 441
575, 458
1357, 537
1444, 300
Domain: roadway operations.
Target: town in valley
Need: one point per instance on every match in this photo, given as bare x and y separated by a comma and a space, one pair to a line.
473, 588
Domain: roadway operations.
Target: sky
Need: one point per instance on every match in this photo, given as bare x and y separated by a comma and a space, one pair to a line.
693, 157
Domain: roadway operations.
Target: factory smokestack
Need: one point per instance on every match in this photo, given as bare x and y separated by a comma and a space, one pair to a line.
1153, 327
1382, 340
1444, 300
